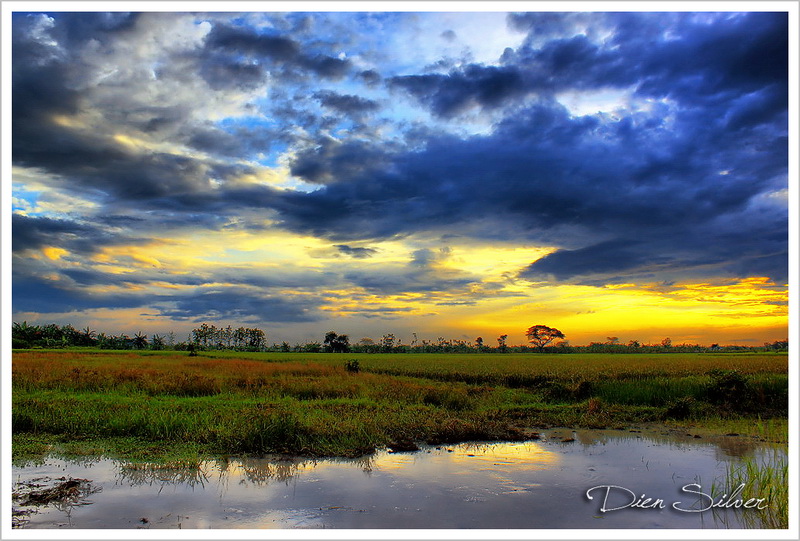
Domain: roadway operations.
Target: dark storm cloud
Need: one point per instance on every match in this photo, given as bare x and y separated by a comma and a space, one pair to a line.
222, 73
332, 161
388, 281
744, 53
546, 25
448, 95
699, 63
75, 29
279, 50
88, 276
288, 277
266, 281
96, 164
32, 233
370, 77
345, 103
42, 87
34, 294
603, 258
36, 233
326, 66
241, 304
545, 171
419, 275
235, 143
356, 252
44, 76
243, 41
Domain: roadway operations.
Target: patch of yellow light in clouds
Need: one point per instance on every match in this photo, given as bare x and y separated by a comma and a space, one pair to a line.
53, 253
493, 261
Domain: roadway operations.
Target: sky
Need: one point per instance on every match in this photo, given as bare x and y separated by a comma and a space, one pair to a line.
438, 174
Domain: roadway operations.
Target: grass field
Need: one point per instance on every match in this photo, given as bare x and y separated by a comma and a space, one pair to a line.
157, 404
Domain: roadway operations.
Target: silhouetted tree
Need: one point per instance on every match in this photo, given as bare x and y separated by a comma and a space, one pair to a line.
501, 343
387, 342
157, 343
541, 335
336, 343
139, 340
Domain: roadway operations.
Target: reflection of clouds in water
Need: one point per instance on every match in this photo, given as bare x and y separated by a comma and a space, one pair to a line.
529, 455
535, 484
487, 469
491, 459
430, 462
725, 447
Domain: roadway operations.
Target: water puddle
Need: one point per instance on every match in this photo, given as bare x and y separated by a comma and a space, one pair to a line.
536, 484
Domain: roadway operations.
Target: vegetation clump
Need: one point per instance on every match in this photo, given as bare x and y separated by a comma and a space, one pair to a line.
728, 387
352, 366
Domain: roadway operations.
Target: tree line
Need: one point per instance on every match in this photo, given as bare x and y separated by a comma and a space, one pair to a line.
541, 339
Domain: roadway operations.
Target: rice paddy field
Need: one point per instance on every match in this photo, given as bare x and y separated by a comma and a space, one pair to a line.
168, 405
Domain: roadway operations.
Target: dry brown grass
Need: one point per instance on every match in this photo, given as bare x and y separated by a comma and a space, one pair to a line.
164, 374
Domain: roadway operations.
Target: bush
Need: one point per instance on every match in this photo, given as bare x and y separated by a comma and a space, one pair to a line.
680, 409
728, 387
352, 366
583, 390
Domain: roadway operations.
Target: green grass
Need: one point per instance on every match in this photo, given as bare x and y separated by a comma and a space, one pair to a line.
309, 404
766, 478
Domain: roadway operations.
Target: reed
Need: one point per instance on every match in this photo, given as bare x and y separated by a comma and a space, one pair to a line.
763, 477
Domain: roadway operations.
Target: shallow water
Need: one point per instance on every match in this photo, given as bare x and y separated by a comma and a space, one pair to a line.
534, 484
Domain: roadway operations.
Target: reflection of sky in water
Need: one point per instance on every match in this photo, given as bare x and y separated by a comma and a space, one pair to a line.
538, 484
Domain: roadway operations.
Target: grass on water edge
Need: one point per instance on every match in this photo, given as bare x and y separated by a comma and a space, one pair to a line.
762, 477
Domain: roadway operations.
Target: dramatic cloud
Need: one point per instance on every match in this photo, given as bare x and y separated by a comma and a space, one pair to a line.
346, 104
267, 166
45, 296
33, 233
276, 49
356, 252
448, 95
240, 304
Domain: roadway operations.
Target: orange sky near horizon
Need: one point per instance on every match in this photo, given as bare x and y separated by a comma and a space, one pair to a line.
493, 301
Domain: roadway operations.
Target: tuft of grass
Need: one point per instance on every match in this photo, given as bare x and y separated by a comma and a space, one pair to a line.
766, 478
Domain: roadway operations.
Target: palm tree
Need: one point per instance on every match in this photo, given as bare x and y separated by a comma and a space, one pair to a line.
140, 340
157, 343
88, 337
23, 331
